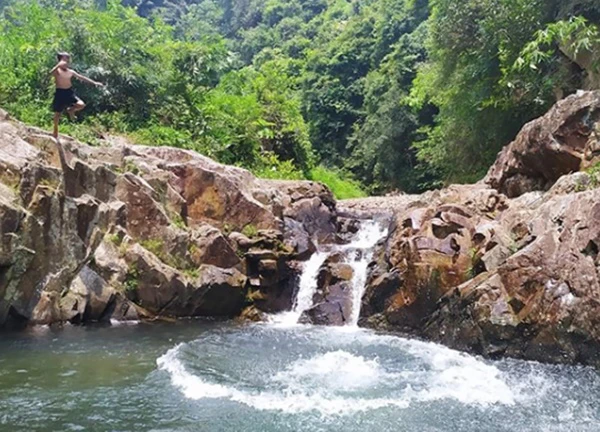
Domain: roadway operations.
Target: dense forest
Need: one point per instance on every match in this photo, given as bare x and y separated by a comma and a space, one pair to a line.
367, 96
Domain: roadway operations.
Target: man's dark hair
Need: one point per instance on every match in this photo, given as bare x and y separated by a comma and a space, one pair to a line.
62, 55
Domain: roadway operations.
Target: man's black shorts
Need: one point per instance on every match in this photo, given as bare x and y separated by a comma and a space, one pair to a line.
63, 99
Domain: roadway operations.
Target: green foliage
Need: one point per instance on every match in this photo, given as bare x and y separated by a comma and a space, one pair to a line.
594, 174
132, 277
161, 90
250, 231
115, 239
476, 77
401, 94
545, 65
192, 273
155, 246
340, 185
178, 221
271, 167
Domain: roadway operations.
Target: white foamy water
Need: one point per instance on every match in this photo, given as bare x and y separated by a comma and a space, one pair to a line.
358, 253
340, 382
335, 370
368, 236
306, 290
293, 399
214, 376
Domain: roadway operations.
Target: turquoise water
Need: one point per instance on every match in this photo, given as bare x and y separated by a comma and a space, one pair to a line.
197, 376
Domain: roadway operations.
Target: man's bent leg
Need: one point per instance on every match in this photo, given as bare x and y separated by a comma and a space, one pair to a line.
78, 106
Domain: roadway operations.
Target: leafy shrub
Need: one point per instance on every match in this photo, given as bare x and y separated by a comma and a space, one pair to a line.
342, 187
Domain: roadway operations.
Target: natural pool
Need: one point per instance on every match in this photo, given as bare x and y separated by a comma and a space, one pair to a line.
198, 376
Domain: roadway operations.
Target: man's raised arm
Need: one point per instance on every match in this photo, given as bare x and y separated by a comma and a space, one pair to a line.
87, 80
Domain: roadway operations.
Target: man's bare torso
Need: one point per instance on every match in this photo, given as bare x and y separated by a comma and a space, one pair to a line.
63, 78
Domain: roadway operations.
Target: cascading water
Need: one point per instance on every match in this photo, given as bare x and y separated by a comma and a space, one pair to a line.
358, 253
306, 290
362, 248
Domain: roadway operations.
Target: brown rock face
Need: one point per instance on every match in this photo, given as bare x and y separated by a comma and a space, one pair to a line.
561, 142
476, 270
520, 280
542, 302
128, 232
432, 249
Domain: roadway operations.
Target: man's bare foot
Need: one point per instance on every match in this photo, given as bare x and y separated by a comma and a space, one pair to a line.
71, 113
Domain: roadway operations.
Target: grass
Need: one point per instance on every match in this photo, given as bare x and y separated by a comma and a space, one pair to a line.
192, 273
250, 231
114, 239
594, 173
342, 188
132, 279
178, 221
158, 249
154, 246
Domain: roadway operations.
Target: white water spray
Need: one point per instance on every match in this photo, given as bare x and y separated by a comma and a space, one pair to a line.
362, 249
358, 253
306, 290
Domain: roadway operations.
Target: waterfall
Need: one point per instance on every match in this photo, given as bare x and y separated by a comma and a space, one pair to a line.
358, 253
306, 290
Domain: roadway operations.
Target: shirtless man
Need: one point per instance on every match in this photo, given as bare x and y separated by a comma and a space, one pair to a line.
65, 98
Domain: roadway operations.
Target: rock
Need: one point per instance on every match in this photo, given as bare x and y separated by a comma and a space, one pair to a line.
379, 292
252, 313
119, 231
214, 193
209, 246
333, 300
89, 298
495, 257
559, 143
299, 239
500, 277
572, 183
541, 303
145, 215
163, 291
242, 241
312, 205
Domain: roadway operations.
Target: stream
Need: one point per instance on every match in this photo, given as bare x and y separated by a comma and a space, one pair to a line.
200, 375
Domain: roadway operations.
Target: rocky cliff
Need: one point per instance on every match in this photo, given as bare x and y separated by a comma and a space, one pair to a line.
509, 266
505, 267
125, 232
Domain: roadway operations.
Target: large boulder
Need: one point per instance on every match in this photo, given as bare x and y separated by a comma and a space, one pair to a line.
433, 247
542, 303
564, 140
90, 299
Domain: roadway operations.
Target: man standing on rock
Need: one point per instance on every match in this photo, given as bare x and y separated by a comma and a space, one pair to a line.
65, 97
